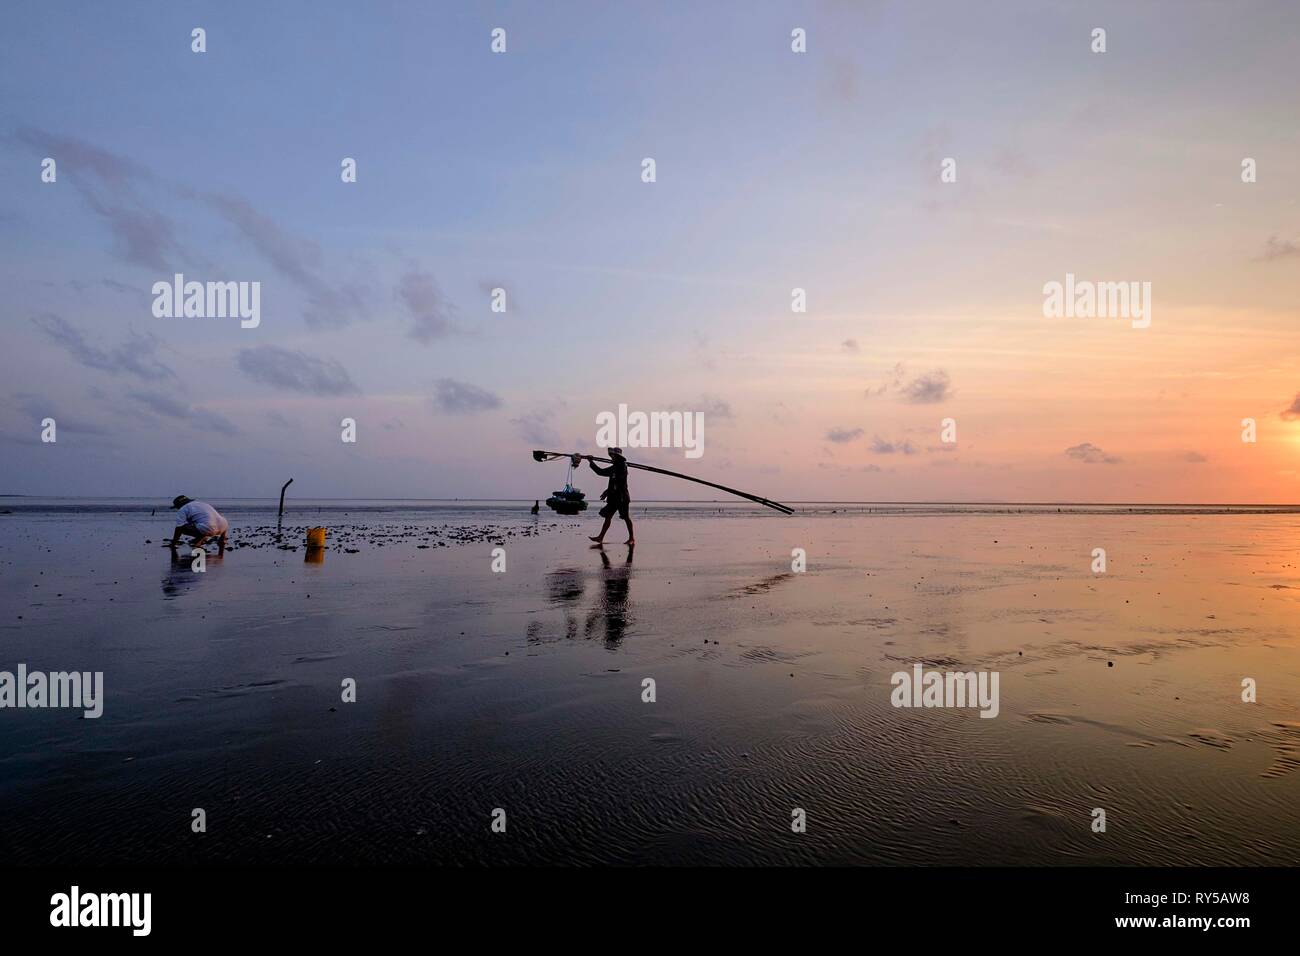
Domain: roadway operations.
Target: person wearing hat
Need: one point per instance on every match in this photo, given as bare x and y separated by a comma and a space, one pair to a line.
200, 520
616, 496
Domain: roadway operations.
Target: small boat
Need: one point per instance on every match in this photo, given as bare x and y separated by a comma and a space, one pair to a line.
567, 502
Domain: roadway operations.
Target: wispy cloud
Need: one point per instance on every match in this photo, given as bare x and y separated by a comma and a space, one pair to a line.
126, 194
535, 428
169, 407
430, 311
713, 407
880, 446
329, 305
894, 381
1090, 454
294, 371
38, 408
460, 398
113, 187
842, 436
1292, 411
132, 358
1276, 248
927, 389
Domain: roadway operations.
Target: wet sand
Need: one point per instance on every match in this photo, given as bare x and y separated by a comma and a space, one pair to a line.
522, 690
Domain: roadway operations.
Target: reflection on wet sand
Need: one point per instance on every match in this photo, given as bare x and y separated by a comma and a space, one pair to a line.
611, 607
1120, 690
608, 615
181, 575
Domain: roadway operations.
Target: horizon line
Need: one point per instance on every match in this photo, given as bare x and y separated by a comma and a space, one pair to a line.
798, 501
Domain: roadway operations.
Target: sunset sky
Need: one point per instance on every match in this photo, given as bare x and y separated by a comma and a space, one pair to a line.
775, 170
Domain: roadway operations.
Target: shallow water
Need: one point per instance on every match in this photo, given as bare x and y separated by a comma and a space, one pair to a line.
522, 690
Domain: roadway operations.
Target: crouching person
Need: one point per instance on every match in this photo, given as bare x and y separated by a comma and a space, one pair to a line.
201, 521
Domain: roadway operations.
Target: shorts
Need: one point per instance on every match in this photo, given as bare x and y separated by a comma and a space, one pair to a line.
198, 531
617, 506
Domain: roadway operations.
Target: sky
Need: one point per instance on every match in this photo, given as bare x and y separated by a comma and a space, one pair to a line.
774, 171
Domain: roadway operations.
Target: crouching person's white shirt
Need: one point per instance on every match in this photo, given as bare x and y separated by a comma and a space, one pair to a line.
203, 516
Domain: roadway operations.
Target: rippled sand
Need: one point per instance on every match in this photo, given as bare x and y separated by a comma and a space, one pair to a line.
522, 690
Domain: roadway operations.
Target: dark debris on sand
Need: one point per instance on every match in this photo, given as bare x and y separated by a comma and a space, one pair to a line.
352, 538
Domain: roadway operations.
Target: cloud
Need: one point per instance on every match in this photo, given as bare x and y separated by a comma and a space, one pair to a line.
881, 447
147, 237
841, 436
849, 345
296, 259
163, 404
712, 407
702, 346
115, 188
123, 288
1277, 248
535, 429
1292, 411
132, 358
459, 398
294, 371
1090, 454
894, 381
110, 186
114, 170
927, 389
38, 407
429, 307
1193, 457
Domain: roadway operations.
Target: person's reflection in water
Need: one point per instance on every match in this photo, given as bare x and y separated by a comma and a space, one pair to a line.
181, 576
565, 587
612, 600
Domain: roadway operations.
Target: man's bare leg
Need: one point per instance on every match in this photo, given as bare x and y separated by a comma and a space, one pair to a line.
221, 544
631, 538
601, 537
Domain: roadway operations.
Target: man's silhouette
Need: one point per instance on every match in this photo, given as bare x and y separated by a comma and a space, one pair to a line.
616, 496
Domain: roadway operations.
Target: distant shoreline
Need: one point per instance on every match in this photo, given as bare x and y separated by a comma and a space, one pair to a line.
984, 503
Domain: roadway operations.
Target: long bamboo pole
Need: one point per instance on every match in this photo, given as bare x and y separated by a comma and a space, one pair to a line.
775, 505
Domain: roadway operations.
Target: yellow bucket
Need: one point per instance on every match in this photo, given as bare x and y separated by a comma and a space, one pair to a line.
315, 537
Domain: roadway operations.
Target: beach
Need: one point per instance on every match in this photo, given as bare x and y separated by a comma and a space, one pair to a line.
523, 690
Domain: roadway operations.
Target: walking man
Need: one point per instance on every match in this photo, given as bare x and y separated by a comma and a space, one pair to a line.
616, 496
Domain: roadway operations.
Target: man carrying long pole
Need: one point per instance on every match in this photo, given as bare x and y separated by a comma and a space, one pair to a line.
617, 499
